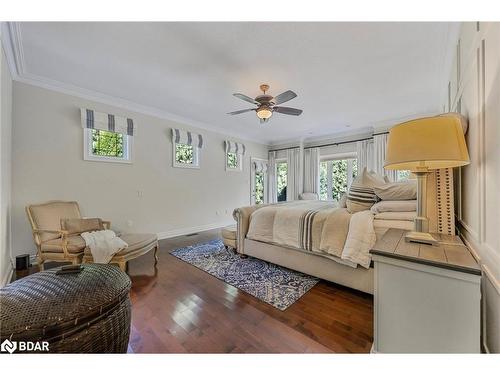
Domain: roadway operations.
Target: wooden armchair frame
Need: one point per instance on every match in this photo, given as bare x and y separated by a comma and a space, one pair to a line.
65, 255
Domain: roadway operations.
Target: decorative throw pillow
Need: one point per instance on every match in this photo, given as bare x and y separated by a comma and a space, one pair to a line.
74, 226
361, 195
397, 191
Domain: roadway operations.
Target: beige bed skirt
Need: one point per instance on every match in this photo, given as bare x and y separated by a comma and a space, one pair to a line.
309, 263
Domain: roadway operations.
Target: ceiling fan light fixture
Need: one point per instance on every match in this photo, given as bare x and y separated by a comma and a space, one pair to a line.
264, 113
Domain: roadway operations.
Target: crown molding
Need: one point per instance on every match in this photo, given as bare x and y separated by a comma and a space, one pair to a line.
12, 41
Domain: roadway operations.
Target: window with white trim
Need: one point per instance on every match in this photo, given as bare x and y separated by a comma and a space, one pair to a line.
234, 155
281, 179
233, 161
186, 156
107, 137
336, 174
186, 148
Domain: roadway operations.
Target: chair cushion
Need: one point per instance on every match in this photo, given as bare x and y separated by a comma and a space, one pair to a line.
48, 216
135, 242
81, 225
76, 244
229, 232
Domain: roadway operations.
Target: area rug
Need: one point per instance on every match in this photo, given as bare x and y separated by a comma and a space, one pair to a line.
275, 285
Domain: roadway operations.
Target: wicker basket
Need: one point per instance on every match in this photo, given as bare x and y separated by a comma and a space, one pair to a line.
88, 312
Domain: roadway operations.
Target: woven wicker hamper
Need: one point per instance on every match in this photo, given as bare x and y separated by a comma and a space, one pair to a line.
88, 312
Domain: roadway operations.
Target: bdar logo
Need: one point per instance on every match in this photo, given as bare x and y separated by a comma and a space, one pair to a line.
8, 346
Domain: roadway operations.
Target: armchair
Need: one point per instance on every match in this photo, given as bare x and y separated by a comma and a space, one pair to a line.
52, 242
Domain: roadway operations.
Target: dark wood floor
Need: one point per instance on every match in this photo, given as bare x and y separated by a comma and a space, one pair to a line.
179, 308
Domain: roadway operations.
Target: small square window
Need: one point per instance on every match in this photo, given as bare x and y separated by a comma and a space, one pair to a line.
233, 161
102, 145
185, 156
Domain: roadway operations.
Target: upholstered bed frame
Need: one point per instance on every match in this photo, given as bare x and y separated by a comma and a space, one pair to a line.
440, 209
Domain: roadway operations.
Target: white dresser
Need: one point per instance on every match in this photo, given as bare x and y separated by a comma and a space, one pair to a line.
427, 298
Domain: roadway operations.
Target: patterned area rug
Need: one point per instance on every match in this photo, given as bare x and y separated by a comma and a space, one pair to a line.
278, 286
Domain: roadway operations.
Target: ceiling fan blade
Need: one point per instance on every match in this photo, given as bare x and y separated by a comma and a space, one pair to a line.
284, 97
246, 98
241, 111
264, 120
287, 111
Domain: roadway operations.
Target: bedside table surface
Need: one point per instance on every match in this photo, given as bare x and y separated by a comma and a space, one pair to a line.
450, 253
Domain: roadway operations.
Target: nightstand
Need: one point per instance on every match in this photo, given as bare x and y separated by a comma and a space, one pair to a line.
427, 298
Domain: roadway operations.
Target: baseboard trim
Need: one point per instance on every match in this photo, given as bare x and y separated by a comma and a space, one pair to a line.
7, 277
184, 231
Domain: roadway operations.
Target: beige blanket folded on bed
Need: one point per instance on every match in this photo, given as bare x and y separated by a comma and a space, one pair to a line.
334, 231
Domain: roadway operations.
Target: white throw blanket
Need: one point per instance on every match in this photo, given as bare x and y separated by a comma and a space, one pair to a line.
360, 239
103, 244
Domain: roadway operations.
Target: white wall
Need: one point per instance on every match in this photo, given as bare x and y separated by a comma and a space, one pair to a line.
475, 91
48, 164
5, 169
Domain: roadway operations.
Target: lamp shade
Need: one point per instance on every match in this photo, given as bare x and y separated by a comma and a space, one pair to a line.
428, 143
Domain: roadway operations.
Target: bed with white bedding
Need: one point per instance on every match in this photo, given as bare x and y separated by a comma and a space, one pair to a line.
317, 237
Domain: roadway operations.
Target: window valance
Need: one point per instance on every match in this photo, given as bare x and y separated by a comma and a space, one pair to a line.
260, 166
187, 138
103, 121
235, 147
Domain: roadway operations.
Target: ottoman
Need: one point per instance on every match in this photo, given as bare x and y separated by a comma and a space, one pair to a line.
229, 237
86, 312
138, 244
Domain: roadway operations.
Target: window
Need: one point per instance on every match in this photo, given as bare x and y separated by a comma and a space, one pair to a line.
233, 161
403, 175
185, 156
102, 145
281, 174
335, 177
259, 187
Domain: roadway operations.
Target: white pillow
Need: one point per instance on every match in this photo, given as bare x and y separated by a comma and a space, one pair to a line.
397, 191
394, 206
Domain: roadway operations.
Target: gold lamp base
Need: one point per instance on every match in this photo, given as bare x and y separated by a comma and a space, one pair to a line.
420, 237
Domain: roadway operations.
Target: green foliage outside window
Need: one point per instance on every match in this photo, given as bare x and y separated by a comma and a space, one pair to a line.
281, 172
403, 175
106, 143
259, 187
184, 154
339, 178
232, 160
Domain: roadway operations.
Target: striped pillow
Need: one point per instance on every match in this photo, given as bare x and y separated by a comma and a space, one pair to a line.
361, 195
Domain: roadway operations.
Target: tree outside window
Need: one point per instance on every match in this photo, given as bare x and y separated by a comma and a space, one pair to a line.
184, 153
108, 144
281, 173
336, 176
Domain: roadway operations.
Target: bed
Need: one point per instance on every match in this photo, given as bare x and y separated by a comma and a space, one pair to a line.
293, 234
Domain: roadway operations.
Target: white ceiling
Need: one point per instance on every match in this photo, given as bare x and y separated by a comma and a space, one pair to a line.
347, 76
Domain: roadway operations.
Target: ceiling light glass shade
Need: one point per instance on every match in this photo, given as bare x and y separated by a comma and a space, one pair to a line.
264, 113
428, 143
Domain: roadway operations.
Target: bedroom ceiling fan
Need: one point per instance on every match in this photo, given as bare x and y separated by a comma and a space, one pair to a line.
267, 104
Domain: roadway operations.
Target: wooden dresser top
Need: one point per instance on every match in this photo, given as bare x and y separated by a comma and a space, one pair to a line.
450, 253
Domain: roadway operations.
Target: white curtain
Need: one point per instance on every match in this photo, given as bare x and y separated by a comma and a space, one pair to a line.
379, 150
271, 178
294, 175
364, 151
311, 170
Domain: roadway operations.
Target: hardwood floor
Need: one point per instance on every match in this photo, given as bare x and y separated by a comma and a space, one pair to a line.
178, 308
181, 309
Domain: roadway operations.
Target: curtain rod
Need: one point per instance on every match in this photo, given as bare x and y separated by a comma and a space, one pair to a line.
332, 144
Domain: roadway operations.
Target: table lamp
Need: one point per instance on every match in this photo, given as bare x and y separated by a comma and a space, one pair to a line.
423, 145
